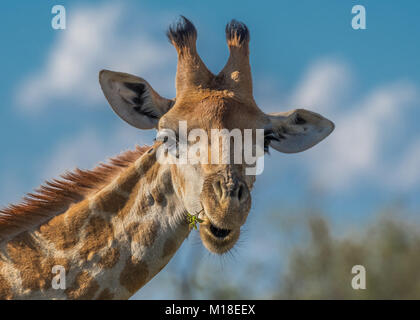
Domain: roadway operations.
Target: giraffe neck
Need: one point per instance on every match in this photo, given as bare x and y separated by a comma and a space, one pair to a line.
110, 244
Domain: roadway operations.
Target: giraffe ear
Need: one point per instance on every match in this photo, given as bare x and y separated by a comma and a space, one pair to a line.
298, 130
133, 99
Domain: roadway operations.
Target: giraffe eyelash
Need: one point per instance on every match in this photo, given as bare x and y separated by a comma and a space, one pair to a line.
268, 137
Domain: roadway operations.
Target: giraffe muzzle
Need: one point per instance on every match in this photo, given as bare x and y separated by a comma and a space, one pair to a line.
226, 201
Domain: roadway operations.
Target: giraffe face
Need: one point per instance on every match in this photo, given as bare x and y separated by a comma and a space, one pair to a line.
219, 191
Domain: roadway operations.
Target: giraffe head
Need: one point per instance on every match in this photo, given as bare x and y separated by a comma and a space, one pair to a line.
218, 190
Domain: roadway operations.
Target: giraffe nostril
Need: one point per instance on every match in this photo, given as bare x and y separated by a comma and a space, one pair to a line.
243, 193
217, 186
240, 192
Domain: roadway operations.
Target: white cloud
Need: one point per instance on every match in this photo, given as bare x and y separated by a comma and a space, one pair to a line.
322, 86
94, 40
355, 150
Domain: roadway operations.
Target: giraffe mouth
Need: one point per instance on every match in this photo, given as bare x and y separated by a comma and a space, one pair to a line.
219, 233
215, 235
218, 240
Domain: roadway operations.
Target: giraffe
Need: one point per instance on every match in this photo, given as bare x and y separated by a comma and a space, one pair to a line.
115, 227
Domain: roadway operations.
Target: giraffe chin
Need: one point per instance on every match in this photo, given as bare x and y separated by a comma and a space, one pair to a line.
218, 240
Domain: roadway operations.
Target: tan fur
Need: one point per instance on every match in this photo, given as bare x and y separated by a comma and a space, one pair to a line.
5, 287
99, 233
34, 264
63, 230
105, 295
169, 248
145, 232
109, 259
130, 202
91, 240
134, 275
84, 287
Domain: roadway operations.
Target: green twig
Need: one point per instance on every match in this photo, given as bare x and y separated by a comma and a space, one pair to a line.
193, 219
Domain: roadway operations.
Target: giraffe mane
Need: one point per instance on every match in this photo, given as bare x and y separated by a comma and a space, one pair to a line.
55, 196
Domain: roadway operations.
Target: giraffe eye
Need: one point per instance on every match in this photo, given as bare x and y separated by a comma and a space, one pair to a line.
170, 141
166, 136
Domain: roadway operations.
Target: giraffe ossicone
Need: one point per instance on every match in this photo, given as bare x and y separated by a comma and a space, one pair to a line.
113, 228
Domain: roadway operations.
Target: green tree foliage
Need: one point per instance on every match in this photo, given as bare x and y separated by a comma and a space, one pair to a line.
389, 250
320, 268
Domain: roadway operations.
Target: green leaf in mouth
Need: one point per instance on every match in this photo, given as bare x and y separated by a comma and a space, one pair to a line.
193, 220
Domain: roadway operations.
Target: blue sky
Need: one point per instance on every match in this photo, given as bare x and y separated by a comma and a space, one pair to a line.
53, 116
